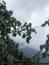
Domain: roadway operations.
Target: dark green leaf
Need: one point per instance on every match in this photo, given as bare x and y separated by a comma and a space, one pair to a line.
44, 55
42, 46
28, 39
33, 30
29, 32
14, 34
19, 33
24, 35
30, 25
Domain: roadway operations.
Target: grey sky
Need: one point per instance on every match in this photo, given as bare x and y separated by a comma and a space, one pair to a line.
34, 11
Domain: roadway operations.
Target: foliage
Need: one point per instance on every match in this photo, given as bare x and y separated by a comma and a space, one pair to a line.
9, 52
9, 25
46, 45
40, 55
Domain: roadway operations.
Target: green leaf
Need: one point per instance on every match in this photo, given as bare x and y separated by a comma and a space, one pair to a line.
33, 30
30, 25
8, 30
28, 39
24, 24
44, 55
42, 46
29, 32
14, 34
24, 35
42, 25
27, 27
19, 33
45, 23
19, 23
47, 46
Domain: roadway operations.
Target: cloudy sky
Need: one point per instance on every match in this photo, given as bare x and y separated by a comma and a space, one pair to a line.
34, 11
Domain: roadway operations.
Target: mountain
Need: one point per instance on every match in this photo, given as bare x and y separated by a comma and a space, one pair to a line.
45, 60
29, 52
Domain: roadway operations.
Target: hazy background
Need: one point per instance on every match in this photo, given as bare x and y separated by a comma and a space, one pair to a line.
34, 11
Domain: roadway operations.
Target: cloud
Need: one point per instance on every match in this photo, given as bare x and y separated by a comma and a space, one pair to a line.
24, 8
39, 16
34, 11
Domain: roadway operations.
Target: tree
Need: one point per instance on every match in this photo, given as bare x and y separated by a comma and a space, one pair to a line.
46, 45
9, 25
9, 52
40, 55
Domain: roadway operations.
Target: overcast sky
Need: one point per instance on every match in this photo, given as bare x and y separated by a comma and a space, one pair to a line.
34, 11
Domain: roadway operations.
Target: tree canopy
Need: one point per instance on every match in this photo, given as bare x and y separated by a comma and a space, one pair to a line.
9, 25
9, 52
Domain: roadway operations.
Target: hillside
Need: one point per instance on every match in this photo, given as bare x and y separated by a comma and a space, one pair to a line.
29, 52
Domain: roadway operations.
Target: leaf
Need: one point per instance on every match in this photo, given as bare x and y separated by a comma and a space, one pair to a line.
19, 23
42, 25
33, 30
46, 22
42, 46
24, 24
19, 33
24, 35
44, 55
23, 28
47, 47
14, 34
48, 36
27, 27
8, 30
28, 32
30, 25
28, 39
